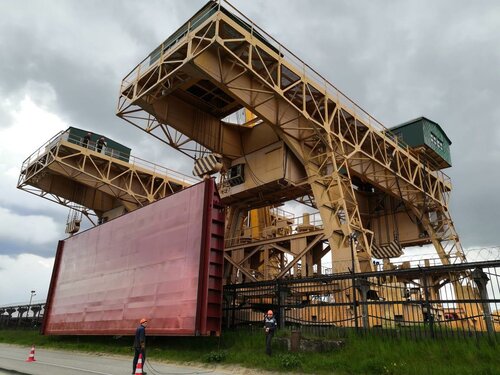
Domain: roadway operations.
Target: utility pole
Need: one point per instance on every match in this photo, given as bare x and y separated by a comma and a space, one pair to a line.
33, 293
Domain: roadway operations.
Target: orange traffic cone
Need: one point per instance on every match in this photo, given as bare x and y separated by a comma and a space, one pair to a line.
31, 357
138, 368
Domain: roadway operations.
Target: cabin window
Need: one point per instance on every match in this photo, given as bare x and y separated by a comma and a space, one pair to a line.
436, 142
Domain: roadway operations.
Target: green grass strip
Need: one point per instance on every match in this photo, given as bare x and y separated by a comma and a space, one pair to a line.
359, 355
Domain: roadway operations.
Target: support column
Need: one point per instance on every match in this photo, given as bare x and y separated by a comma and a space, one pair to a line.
481, 280
428, 307
282, 295
363, 286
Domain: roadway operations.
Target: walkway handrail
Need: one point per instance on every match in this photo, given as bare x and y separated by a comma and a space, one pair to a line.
63, 136
312, 75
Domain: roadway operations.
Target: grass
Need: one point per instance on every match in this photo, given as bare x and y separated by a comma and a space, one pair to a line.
360, 355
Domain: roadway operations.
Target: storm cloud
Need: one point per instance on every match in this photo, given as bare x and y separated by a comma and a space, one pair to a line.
397, 60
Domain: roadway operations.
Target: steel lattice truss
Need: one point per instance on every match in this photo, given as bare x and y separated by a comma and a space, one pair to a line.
67, 173
333, 138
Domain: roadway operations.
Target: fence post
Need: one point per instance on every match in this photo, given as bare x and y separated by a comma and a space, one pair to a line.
363, 286
427, 304
352, 238
233, 310
282, 294
481, 280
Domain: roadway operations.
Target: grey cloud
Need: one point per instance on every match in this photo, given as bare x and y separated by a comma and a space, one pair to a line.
397, 60
12, 247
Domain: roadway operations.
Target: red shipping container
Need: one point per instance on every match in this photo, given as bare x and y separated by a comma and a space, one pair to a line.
162, 262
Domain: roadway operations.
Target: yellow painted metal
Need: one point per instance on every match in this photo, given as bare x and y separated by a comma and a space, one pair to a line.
254, 227
334, 146
301, 139
64, 171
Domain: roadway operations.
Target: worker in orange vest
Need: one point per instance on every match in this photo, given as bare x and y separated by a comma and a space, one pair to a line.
270, 325
140, 343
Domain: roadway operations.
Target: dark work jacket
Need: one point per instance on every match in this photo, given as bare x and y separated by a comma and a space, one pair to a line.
140, 336
270, 323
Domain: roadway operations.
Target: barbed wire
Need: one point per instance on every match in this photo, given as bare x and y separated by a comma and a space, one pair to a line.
482, 253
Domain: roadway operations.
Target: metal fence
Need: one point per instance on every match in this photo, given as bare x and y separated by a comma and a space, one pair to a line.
441, 301
460, 300
22, 315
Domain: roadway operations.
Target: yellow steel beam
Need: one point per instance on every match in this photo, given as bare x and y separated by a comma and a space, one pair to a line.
333, 138
63, 168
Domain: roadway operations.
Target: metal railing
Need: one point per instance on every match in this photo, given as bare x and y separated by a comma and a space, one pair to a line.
41, 155
464, 302
22, 315
283, 224
309, 74
397, 303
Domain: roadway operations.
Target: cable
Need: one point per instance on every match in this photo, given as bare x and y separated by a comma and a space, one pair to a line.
156, 372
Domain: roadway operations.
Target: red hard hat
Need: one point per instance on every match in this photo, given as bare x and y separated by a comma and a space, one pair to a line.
270, 312
144, 320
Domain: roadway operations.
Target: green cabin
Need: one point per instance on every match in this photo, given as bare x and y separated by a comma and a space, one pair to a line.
202, 15
427, 137
112, 148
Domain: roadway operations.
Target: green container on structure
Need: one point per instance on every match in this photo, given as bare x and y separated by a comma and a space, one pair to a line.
427, 134
201, 16
112, 148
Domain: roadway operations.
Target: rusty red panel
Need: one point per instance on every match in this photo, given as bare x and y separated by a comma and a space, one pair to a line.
163, 262
211, 268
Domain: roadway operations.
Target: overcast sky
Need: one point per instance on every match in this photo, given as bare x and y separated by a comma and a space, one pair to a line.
61, 64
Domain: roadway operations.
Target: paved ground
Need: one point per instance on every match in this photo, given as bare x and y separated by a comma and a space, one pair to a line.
58, 362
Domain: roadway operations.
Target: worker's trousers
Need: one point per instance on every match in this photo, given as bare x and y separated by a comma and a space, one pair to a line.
269, 337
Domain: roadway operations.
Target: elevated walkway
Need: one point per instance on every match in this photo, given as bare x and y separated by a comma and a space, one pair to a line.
65, 170
220, 61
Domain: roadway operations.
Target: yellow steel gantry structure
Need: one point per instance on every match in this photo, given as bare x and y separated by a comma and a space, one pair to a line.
104, 184
301, 140
307, 142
